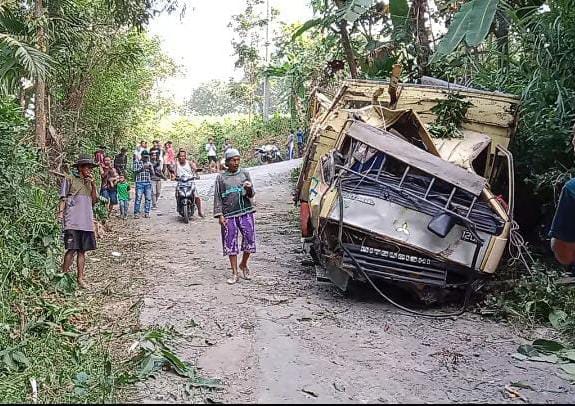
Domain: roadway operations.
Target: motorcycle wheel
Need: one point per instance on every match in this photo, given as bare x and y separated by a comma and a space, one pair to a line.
186, 213
263, 159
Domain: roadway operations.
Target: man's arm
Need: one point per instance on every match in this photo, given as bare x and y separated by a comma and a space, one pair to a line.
218, 203
249, 186
562, 231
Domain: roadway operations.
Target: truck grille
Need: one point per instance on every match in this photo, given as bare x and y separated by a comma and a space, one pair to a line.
397, 266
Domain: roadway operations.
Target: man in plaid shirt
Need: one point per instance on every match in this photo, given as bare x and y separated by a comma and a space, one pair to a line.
143, 172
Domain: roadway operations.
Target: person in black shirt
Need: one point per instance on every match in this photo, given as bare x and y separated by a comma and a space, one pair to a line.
121, 161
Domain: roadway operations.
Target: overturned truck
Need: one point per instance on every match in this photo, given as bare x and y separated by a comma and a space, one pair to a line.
382, 200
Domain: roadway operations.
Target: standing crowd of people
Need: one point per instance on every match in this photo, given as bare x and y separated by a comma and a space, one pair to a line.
233, 198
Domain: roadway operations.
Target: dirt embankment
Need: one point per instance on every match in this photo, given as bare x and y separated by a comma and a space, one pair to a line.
282, 337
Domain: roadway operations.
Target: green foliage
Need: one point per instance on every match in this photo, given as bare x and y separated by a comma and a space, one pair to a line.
550, 351
154, 355
350, 11
450, 115
17, 58
217, 98
38, 336
537, 299
243, 133
471, 24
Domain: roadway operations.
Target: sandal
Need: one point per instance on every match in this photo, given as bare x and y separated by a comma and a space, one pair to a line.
245, 272
232, 280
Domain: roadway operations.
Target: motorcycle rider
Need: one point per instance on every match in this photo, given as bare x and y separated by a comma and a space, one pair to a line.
187, 168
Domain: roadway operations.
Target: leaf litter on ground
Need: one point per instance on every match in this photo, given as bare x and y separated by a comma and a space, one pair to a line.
549, 351
155, 355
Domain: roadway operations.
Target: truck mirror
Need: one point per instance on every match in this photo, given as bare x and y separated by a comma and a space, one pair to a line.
441, 224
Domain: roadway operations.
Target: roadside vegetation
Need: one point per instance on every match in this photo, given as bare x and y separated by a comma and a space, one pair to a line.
88, 71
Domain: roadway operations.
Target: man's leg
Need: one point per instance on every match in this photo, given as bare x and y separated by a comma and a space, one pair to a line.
154, 194
198, 201
230, 245
148, 195
68, 259
81, 268
246, 225
138, 201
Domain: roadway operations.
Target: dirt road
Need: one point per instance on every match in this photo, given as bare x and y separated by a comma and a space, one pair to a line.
282, 337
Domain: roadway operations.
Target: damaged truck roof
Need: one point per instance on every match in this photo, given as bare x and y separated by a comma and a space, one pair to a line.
408, 153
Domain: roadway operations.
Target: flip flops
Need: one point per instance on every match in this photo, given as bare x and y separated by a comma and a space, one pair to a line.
245, 272
234, 279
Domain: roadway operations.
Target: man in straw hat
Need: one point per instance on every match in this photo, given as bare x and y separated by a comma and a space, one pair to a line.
234, 209
77, 197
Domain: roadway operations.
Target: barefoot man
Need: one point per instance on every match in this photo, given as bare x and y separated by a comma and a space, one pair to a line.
235, 212
77, 195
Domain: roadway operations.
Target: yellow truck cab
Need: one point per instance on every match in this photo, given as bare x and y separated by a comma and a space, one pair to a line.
382, 200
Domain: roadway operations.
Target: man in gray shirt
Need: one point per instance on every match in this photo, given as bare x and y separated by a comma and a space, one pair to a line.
234, 209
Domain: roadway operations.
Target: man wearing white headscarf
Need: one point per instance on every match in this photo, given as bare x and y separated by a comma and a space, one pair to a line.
234, 209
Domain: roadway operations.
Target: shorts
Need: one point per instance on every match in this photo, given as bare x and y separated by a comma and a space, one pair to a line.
212, 159
244, 224
79, 240
110, 194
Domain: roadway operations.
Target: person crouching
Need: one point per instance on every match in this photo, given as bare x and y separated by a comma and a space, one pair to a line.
234, 209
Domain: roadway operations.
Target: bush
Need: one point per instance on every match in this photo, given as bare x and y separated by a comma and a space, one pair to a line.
38, 337
244, 134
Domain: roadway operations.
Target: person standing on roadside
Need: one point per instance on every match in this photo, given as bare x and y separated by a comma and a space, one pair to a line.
157, 177
234, 210
143, 172
121, 161
157, 148
212, 155
290, 144
100, 155
187, 168
139, 149
562, 231
108, 187
77, 197
300, 142
123, 188
170, 161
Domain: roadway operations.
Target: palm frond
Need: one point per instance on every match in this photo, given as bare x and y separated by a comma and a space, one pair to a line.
35, 63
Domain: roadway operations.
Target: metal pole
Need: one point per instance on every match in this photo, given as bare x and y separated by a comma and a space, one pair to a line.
266, 79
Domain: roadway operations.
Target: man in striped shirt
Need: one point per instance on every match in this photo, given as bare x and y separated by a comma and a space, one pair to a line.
143, 173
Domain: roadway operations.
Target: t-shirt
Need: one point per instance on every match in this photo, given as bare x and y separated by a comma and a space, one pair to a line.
211, 148
138, 152
123, 191
78, 213
300, 137
230, 197
107, 175
290, 140
563, 226
157, 170
121, 162
99, 157
170, 156
160, 152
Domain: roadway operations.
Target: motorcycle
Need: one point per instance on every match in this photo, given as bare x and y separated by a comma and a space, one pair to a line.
269, 153
185, 196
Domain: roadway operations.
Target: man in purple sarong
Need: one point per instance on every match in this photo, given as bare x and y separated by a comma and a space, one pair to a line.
234, 209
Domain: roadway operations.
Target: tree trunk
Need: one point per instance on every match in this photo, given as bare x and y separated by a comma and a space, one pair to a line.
347, 48
40, 97
422, 34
